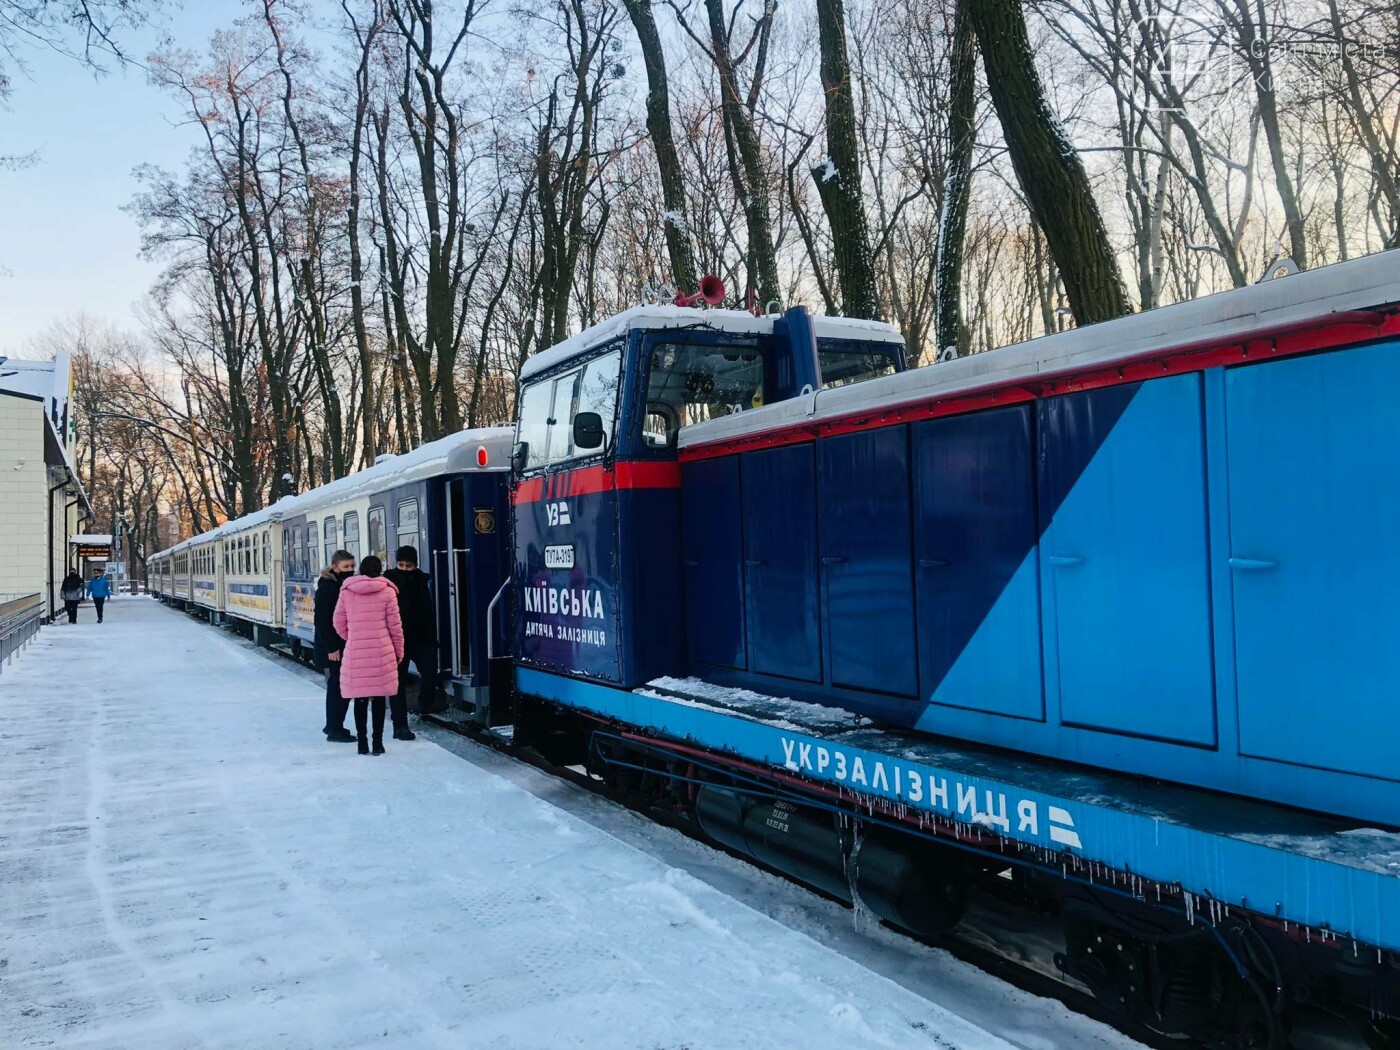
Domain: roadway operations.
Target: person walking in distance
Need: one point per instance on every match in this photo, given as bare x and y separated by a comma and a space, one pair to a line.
367, 617
71, 591
99, 589
328, 647
419, 636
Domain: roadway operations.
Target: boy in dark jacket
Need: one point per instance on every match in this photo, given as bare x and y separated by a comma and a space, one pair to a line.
419, 637
329, 646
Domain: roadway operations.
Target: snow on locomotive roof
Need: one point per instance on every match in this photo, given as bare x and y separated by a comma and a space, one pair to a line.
455, 453
1226, 316
737, 321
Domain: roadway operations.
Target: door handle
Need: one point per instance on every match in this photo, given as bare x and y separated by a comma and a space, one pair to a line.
1252, 563
833, 560
932, 563
1066, 560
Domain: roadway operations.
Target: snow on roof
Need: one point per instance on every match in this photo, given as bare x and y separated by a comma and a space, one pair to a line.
30, 378
737, 321
446, 455
94, 538
1226, 316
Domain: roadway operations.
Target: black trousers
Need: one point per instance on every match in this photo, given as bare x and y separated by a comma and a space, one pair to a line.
424, 658
71, 608
99, 602
336, 705
363, 702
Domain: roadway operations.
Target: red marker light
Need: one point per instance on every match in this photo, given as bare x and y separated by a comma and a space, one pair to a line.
481, 456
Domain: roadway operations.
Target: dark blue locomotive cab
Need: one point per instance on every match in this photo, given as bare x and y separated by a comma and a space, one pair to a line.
601, 585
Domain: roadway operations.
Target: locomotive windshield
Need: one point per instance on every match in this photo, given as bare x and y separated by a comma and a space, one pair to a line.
692, 382
548, 408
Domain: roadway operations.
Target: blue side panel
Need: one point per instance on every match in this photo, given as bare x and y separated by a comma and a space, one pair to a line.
868, 559
1352, 896
712, 541
1125, 560
978, 589
780, 558
1314, 458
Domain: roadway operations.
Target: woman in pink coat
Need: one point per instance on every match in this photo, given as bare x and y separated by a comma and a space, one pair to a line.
367, 617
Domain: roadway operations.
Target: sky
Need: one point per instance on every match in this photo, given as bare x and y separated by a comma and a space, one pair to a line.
65, 244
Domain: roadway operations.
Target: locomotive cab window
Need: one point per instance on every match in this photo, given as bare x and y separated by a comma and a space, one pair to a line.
847, 361
690, 382
549, 411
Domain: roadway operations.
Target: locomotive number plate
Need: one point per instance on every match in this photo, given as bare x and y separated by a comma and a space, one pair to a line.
559, 556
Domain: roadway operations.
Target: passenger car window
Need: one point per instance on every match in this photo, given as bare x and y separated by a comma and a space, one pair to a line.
351, 529
313, 549
330, 538
378, 546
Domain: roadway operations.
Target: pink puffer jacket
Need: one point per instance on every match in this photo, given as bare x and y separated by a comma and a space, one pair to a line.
367, 617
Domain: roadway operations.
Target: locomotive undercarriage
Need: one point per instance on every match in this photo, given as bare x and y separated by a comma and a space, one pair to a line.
1160, 964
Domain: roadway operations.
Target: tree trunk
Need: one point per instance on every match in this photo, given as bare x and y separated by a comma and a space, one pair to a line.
838, 181
1050, 171
1254, 43
678, 244
1381, 169
746, 160
957, 188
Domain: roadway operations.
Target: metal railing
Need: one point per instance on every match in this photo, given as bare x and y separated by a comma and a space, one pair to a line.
20, 616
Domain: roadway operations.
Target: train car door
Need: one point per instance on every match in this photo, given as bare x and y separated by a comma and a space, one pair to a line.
455, 562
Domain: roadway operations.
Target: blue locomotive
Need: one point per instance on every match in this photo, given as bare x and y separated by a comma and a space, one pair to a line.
777, 581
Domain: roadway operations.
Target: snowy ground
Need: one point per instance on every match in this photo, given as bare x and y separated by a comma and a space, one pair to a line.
185, 862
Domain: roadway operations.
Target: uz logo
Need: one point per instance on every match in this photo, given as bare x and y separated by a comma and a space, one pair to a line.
1062, 828
557, 513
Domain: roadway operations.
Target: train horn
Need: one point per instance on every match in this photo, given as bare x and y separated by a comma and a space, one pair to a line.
711, 292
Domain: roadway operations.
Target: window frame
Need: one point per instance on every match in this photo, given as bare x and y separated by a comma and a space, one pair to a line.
573, 371
377, 515
345, 521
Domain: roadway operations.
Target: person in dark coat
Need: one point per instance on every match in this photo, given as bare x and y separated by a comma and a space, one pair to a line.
329, 646
72, 591
419, 618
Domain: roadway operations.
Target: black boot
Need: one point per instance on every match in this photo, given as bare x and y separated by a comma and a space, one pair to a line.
378, 717
361, 711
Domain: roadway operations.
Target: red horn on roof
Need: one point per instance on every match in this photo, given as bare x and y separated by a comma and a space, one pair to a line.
711, 291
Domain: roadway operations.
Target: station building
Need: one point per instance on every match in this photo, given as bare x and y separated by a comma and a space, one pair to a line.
42, 503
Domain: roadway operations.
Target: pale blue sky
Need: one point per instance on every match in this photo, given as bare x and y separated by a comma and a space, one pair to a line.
65, 245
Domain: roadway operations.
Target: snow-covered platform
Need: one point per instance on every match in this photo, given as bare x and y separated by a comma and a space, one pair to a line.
184, 861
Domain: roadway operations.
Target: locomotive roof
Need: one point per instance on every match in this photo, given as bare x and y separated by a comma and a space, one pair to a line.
453, 454
1222, 318
739, 322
